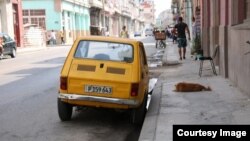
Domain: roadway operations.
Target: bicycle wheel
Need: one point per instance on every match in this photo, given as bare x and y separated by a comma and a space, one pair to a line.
162, 44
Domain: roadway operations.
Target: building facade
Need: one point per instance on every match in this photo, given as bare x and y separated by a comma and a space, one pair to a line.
85, 17
70, 16
148, 12
226, 23
11, 19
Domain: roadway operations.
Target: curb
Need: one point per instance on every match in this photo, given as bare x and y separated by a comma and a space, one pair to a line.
21, 50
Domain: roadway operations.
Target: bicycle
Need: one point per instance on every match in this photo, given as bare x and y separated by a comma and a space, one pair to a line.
160, 44
160, 38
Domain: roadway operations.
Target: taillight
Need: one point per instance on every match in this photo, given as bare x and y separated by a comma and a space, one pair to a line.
134, 89
63, 83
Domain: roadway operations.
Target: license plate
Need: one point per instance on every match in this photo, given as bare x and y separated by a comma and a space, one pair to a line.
98, 89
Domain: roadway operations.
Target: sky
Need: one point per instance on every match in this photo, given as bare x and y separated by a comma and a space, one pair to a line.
161, 5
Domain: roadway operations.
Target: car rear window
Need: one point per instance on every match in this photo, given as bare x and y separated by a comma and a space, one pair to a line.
104, 51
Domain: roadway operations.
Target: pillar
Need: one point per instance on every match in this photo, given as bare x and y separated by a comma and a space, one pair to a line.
248, 11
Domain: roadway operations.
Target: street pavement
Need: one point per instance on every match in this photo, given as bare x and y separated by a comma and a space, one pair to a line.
225, 104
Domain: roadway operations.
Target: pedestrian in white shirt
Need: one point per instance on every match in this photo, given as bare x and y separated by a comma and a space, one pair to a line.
53, 37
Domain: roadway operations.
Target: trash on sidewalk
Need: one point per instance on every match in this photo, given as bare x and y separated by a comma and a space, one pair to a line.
152, 83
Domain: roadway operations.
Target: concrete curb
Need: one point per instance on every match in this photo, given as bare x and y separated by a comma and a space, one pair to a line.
150, 122
148, 131
21, 50
29, 49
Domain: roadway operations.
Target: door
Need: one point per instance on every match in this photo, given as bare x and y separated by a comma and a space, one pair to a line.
16, 24
8, 44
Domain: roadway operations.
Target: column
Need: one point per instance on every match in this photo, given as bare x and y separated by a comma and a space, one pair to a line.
248, 10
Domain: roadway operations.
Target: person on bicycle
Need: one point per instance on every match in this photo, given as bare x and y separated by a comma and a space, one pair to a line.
181, 28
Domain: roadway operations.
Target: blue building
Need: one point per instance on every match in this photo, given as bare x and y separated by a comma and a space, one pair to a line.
70, 16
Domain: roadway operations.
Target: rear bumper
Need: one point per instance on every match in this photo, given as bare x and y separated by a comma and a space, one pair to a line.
129, 102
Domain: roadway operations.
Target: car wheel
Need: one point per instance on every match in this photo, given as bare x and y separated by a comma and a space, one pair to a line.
138, 114
64, 110
13, 53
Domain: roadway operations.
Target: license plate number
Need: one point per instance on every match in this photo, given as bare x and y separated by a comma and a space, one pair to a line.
98, 89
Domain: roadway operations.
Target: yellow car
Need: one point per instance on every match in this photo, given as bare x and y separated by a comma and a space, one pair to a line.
105, 72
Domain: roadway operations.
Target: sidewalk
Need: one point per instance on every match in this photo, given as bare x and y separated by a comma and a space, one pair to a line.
225, 104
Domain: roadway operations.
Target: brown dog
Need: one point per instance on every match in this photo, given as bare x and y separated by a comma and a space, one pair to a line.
190, 87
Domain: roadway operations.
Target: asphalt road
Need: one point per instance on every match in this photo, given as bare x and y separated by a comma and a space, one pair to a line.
28, 104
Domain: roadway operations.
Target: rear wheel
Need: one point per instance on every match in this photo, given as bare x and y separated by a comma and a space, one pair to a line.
13, 53
138, 114
64, 110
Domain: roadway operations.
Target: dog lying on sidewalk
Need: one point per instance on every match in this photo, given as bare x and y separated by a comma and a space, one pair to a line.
190, 87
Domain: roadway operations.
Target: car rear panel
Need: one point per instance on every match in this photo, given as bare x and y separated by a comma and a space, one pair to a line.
112, 77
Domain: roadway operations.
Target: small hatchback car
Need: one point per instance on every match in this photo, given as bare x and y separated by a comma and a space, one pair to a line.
9, 45
105, 72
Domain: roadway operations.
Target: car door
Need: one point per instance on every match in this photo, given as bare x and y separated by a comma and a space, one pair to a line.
143, 68
7, 44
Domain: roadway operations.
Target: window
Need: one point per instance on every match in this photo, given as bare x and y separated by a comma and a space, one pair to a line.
6, 38
34, 21
143, 54
25, 12
104, 51
37, 12
34, 16
25, 20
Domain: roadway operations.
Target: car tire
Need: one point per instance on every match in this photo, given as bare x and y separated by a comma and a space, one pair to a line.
64, 110
13, 53
138, 114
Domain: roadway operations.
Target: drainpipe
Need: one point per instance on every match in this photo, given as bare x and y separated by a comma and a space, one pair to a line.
104, 20
188, 9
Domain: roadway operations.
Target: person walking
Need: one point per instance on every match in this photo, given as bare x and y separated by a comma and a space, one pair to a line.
124, 32
62, 37
181, 28
53, 37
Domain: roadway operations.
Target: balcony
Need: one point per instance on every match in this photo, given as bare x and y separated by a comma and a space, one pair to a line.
125, 11
96, 3
117, 8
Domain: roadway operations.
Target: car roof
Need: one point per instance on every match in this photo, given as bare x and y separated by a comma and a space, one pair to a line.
109, 39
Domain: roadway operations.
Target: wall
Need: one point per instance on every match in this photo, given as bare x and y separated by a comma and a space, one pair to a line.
205, 30
7, 18
214, 28
223, 38
239, 50
239, 65
52, 17
232, 18
75, 20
